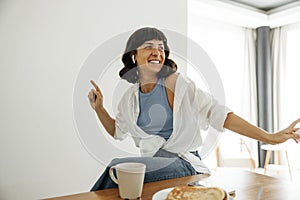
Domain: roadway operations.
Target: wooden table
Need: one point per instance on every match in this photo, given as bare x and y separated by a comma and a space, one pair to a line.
248, 186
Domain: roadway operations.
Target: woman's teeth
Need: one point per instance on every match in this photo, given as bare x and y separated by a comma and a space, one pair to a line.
154, 61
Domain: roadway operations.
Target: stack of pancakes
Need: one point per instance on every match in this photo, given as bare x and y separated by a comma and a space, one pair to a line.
197, 193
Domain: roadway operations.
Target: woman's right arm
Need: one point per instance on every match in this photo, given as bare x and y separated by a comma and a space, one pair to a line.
96, 100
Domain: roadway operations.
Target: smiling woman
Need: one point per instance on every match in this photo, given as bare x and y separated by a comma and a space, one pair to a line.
164, 112
146, 40
149, 58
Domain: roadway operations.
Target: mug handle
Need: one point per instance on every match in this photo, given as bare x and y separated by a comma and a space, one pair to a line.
112, 176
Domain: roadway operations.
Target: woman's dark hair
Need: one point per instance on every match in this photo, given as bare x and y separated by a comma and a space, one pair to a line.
129, 71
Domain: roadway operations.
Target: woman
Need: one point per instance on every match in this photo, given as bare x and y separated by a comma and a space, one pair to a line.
163, 112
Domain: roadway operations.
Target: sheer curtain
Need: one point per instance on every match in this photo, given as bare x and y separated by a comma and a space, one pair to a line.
278, 53
249, 107
232, 49
286, 48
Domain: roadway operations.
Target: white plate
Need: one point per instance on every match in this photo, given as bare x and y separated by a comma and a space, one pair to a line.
162, 194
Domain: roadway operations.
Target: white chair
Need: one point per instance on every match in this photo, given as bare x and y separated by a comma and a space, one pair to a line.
242, 159
275, 148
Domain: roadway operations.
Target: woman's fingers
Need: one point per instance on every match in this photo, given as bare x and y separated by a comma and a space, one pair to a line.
289, 133
296, 129
95, 96
91, 95
97, 92
294, 123
95, 85
296, 134
296, 138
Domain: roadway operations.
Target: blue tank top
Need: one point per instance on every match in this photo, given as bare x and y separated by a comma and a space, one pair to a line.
156, 116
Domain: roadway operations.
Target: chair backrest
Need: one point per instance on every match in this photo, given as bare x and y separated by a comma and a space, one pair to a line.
241, 157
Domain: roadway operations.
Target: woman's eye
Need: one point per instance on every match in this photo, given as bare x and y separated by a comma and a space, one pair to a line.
161, 48
148, 47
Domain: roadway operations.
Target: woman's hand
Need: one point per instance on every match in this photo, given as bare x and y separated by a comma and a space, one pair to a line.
241, 126
95, 97
96, 100
285, 134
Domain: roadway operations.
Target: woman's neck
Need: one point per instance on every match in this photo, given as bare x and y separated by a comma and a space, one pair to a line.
147, 84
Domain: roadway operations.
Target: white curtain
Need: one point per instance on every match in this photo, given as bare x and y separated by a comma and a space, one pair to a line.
250, 92
278, 56
286, 62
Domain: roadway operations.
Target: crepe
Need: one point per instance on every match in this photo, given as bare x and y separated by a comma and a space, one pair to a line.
197, 193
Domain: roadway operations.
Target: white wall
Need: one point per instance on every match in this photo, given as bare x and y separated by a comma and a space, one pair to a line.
43, 46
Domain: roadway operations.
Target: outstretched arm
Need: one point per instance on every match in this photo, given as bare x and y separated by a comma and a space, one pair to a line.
96, 100
241, 126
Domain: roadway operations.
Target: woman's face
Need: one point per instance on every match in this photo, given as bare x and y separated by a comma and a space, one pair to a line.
150, 56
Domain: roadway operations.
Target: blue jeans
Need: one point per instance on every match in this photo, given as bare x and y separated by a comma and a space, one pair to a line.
163, 165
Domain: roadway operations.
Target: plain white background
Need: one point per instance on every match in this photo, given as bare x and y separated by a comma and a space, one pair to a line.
43, 46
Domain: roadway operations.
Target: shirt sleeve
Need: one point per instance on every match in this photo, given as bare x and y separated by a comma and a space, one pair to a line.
121, 126
210, 112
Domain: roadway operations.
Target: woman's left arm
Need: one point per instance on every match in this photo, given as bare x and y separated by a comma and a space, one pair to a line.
241, 126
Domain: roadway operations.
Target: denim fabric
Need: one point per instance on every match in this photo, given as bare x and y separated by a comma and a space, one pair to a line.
164, 165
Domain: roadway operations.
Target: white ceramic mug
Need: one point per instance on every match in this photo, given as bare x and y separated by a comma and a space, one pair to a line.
130, 179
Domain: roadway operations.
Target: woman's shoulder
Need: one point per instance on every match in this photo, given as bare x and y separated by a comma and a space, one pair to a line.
178, 78
171, 80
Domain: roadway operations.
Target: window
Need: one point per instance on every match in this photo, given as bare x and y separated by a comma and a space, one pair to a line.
225, 45
290, 104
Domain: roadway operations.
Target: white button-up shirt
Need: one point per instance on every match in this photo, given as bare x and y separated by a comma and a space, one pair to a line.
193, 110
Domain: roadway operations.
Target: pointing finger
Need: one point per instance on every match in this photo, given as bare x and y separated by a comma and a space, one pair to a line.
95, 85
